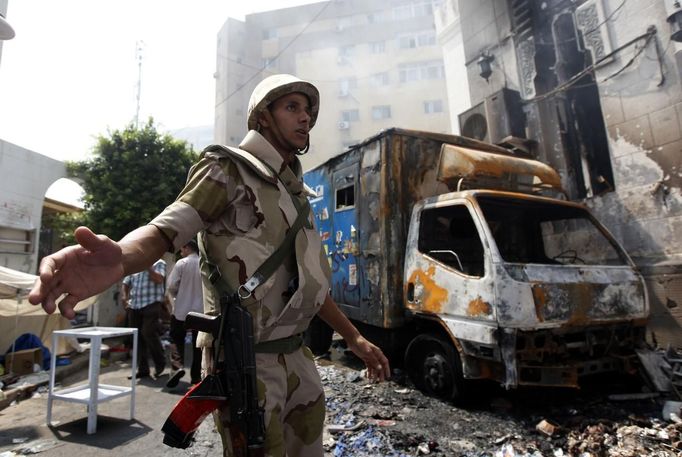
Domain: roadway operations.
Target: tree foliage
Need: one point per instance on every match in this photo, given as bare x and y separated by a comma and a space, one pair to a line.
61, 227
134, 175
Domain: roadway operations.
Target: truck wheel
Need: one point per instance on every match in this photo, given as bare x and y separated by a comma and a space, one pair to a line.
434, 367
318, 337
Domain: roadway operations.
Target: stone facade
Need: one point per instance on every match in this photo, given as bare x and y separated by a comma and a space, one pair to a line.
26, 176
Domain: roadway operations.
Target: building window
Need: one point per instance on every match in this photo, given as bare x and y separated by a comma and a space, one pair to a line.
433, 106
407, 42
381, 112
347, 51
402, 12
377, 47
345, 54
17, 241
417, 40
379, 79
269, 34
423, 9
346, 84
377, 17
269, 62
421, 71
350, 115
413, 10
426, 38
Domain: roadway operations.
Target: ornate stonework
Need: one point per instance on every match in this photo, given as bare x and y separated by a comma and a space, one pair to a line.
590, 19
526, 56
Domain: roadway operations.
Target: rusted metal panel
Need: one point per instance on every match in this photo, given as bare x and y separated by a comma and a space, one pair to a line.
457, 163
366, 244
538, 296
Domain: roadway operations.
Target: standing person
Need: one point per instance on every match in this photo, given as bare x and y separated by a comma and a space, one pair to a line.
143, 296
184, 287
243, 202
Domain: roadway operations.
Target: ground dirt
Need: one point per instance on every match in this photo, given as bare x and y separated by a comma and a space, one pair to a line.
394, 419
379, 419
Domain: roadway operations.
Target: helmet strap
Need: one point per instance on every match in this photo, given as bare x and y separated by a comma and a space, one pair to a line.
274, 129
300, 152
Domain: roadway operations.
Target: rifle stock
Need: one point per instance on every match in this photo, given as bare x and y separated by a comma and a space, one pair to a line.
235, 382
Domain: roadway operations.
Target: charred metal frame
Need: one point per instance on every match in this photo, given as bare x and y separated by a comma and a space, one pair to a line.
551, 51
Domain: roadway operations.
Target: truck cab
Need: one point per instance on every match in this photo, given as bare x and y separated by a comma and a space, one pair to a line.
506, 284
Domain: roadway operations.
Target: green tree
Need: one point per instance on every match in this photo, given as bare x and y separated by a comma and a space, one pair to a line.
135, 173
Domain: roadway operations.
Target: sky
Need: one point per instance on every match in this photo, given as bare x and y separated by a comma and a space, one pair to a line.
71, 72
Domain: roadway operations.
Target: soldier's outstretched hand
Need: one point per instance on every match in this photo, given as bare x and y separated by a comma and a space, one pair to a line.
79, 271
378, 368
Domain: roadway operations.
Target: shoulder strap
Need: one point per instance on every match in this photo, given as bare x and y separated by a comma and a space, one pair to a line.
245, 157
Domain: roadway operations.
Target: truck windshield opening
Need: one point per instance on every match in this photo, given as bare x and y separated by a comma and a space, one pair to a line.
528, 231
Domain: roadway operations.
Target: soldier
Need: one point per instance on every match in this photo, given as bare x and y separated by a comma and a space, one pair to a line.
241, 202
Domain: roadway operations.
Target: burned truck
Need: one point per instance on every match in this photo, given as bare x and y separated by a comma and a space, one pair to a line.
468, 262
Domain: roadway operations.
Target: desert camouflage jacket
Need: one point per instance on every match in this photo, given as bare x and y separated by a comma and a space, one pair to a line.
242, 218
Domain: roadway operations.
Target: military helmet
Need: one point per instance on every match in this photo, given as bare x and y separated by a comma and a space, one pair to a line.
276, 86
6, 30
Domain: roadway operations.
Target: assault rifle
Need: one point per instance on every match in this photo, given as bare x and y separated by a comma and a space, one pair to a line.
233, 384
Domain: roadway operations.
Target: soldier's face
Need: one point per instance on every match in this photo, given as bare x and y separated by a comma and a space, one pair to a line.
291, 113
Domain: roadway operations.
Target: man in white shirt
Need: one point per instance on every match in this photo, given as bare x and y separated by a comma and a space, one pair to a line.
184, 288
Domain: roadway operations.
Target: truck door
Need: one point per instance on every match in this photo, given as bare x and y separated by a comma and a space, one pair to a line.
448, 279
347, 277
445, 268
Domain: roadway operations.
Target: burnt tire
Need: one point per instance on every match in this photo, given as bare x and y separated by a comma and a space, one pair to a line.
434, 367
318, 337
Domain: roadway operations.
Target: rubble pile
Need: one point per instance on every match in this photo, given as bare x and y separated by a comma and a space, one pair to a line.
394, 419
658, 439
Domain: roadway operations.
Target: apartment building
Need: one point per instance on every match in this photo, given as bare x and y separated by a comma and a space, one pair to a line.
377, 64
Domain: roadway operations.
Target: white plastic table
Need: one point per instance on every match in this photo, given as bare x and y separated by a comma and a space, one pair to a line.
93, 392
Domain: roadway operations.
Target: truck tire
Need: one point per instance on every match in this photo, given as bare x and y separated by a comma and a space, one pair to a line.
434, 367
318, 337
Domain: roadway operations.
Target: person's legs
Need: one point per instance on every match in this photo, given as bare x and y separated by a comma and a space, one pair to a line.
135, 320
291, 393
195, 371
150, 333
304, 411
272, 389
177, 335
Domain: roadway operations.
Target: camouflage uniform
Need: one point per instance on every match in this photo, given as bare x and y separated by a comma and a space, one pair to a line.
243, 217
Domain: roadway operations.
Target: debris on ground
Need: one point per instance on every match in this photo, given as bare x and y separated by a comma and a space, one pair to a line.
606, 418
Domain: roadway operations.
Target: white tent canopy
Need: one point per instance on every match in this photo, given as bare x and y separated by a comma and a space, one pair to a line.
18, 316
15, 283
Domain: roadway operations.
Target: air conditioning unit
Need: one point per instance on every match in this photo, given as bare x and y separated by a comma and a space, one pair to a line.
498, 116
343, 125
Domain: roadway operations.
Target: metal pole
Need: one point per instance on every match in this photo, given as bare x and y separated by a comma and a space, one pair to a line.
138, 56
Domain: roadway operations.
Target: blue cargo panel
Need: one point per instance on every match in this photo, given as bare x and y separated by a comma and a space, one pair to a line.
318, 180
